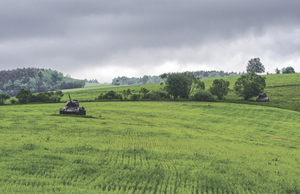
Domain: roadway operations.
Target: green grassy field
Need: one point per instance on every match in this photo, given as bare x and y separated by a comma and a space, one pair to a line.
89, 86
232, 146
146, 147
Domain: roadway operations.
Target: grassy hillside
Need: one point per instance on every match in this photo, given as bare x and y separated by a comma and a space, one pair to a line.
150, 147
282, 89
145, 147
89, 86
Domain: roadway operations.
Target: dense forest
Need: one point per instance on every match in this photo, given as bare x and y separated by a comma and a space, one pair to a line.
35, 79
157, 79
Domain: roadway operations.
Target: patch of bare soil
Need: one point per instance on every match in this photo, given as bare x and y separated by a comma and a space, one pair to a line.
280, 139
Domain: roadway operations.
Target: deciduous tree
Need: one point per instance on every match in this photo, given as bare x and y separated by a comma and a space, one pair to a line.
249, 85
181, 84
24, 96
255, 65
219, 88
144, 92
288, 70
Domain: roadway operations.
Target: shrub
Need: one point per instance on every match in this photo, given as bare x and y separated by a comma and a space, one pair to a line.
161, 94
3, 98
100, 97
144, 93
111, 95
120, 96
155, 95
47, 96
56, 96
13, 101
126, 93
135, 97
204, 96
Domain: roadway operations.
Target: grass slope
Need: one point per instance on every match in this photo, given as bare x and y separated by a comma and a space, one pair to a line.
282, 89
145, 147
89, 86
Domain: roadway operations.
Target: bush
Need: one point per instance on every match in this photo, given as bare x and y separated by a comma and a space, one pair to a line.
135, 97
203, 96
144, 93
100, 97
110, 95
219, 88
161, 94
13, 101
126, 93
47, 96
153, 96
3, 98
120, 96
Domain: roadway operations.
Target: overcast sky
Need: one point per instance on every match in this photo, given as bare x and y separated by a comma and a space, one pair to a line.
108, 38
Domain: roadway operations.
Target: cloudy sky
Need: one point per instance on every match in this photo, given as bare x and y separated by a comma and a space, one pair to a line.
108, 38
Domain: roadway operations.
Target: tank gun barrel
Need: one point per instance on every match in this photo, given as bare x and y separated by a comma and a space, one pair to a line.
70, 98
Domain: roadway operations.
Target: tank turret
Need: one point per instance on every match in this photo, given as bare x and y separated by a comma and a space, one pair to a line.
263, 97
72, 107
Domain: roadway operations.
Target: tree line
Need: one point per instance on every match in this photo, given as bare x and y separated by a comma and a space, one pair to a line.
36, 80
183, 85
147, 79
187, 86
175, 85
25, 96
252, 65
91, 81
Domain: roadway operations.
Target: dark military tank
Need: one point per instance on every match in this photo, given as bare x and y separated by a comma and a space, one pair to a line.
263, 97
72, 107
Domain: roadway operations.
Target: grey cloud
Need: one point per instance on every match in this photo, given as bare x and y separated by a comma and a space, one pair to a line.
138, 34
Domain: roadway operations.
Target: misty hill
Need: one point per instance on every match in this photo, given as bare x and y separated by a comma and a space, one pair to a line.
156, 79
35, 79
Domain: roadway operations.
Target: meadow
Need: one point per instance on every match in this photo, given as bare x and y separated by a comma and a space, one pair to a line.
89, 86
229, 146
283, 91
147, 147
